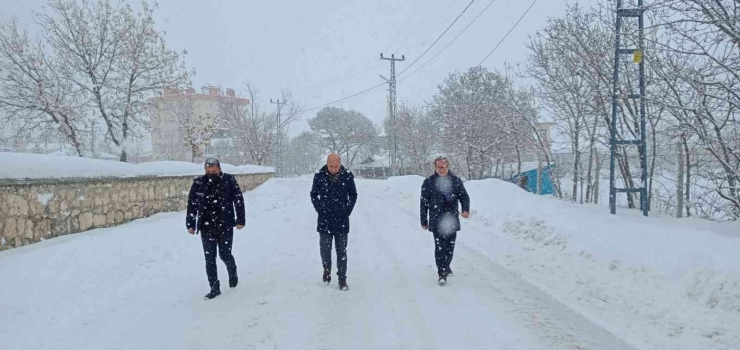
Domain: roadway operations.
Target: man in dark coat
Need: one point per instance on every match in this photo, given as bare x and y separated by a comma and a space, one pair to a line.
214, 200
440, 194
334, 195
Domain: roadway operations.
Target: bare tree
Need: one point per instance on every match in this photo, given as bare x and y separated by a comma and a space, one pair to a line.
521, 125
255, 131
692, 82
573, 59
700, 63
527, 111
34, 97
416, 137
288, 111
115, 57
562, 87
197, 129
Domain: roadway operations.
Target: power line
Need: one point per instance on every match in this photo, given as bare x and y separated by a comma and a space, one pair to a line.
455, 38
412, 63
440, 37
507, 34
343, 98
423, 21
366, 66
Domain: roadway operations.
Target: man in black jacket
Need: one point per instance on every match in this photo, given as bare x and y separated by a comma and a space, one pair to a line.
211, 204
334, 195
440, 194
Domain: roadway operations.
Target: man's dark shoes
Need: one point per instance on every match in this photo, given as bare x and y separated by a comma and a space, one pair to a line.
442, 280
327, 276
233, 281
215, 291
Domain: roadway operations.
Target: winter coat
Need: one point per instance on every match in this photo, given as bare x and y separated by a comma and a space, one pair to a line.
334, 199
230, 197
439, 198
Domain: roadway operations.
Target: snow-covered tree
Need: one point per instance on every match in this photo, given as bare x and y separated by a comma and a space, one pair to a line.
34, 97
563, 86
255, 131
701, 50
349, 133
416, 137
303, 155
691, 56
115, 57
197, 129
477, 122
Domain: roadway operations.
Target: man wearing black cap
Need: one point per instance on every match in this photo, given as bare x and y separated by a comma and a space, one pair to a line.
211, 210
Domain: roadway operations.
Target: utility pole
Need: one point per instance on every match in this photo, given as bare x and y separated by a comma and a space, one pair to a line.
278, 150
392, 92
93, 151
679, 188
615, 140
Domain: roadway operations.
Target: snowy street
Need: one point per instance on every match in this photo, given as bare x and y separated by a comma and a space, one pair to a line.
498, 175
141, 286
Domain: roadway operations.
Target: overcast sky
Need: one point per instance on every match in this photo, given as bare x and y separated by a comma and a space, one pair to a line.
326, 50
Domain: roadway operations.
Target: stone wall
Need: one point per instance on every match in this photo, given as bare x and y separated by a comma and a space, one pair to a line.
35, 210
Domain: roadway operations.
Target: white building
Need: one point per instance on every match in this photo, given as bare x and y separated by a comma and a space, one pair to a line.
168, 133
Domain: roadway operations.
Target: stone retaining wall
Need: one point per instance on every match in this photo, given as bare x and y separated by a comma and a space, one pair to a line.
35, 210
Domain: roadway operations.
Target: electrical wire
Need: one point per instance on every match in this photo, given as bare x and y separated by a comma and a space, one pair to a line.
507, 34
453, 40
435, 41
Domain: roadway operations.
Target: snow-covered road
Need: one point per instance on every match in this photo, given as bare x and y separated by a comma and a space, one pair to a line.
140, 286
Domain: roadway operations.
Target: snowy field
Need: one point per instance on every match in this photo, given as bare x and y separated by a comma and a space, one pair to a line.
530, 273
37, 166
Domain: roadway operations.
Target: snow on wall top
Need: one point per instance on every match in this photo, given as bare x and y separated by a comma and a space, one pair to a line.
38, 166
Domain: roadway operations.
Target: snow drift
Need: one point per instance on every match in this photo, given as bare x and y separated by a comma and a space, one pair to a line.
37, 166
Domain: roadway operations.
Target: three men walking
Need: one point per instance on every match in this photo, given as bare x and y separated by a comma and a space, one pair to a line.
216, 206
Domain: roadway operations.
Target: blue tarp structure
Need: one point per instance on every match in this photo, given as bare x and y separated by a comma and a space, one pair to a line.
531, 178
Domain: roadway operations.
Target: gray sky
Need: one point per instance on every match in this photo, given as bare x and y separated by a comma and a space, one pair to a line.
326, 50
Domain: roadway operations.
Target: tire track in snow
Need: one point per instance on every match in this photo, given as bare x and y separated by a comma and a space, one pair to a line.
391, 273
451, 315
552, 320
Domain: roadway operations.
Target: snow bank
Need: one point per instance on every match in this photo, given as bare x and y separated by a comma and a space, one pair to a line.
684, 280
405, 183
251, 169
37, 166
633, 275
677, 252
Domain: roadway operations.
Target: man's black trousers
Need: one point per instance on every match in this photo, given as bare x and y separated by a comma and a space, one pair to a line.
221, 239
340, 241
444, 247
